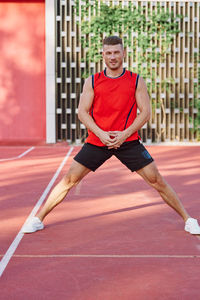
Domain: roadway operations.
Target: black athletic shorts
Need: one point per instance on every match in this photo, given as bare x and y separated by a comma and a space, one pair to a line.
132, 154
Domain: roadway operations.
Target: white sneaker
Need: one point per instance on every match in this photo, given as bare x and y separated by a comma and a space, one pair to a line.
33, 225
192, 226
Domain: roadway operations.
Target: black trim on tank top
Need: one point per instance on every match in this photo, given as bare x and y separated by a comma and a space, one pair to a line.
136, 84
93, 79
124, 70
92, 114
129, 114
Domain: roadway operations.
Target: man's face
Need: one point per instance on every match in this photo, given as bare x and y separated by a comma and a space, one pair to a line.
113, 56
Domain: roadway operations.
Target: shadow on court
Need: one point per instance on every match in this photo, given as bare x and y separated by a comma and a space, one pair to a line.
113, 238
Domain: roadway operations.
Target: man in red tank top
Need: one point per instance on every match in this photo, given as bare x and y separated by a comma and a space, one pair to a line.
108, 108
114, 106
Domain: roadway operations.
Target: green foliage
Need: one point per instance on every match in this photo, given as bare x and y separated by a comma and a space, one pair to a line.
147, 40
197, 121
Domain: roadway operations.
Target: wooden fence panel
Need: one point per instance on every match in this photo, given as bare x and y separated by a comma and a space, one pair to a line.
175, 110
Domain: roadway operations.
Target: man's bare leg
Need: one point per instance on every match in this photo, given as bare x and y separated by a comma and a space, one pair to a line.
152, 176
72, 178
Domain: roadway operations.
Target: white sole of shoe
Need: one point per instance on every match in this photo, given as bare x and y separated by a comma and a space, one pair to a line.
32, 231
187, 229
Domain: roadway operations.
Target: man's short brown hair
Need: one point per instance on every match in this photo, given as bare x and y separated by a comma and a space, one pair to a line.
112, 40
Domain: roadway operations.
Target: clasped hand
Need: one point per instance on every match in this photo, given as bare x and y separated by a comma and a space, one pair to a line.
113, 139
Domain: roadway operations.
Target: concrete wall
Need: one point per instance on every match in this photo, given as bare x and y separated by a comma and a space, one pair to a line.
22, 72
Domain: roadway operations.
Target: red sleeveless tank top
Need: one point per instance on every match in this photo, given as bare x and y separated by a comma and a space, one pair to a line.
114, 106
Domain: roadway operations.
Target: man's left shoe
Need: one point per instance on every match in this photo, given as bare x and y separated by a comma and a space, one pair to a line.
192, 226
33, 225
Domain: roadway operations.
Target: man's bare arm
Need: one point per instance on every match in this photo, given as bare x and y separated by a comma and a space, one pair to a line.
85, 104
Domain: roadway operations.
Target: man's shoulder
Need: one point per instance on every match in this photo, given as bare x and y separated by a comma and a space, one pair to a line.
98, 74
132, 72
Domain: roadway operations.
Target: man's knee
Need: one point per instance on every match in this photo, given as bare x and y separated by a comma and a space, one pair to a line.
71, 179
157, 181
75, 174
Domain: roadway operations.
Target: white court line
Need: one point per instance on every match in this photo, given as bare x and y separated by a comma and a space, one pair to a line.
104, 256
8, 255
19, 156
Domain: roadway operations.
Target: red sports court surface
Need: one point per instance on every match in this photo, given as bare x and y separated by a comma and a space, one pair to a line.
113, 238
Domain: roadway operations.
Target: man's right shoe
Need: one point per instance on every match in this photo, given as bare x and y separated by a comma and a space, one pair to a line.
192, 226
33, 225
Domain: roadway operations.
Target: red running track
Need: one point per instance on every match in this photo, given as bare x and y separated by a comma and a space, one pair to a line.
113, 238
